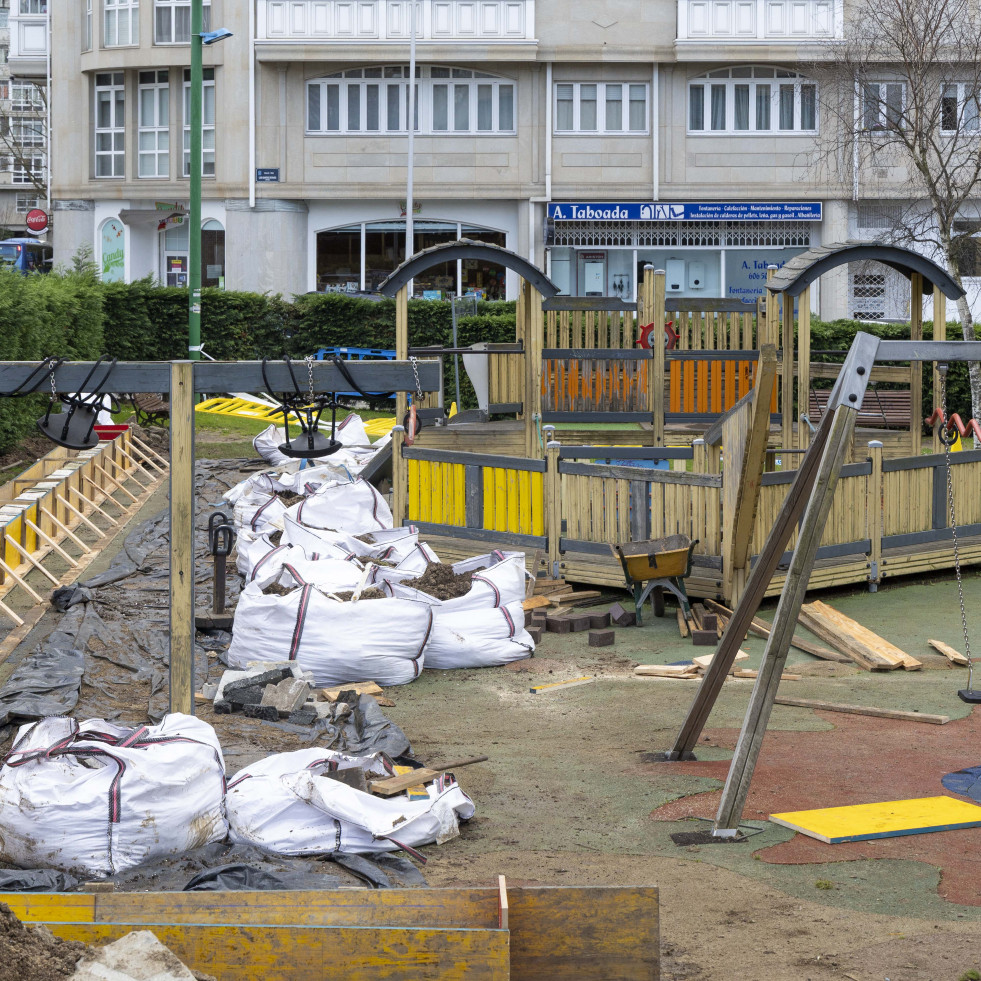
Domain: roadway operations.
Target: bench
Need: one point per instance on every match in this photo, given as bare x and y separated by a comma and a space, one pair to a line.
880, 408
150, 408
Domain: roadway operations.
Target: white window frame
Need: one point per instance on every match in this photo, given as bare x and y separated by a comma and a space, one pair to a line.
153, 124
885, 90
25, 202
115, 152
172, 21
86, 25
27, 132
207, 124
25, 96
604, 98
33, 6
21, 174
121, 22
763, 114
448, 102
968, 107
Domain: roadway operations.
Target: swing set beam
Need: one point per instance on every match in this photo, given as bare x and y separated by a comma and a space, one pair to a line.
810, 495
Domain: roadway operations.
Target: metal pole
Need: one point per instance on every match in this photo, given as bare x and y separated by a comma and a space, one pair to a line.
410, 245
194, 217
456, 359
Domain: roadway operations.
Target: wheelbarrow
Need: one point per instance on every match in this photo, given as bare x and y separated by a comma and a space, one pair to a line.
652, 567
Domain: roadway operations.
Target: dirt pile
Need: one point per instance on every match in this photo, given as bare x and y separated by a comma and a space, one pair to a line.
289, 498
441, 581
156, 437
34, 953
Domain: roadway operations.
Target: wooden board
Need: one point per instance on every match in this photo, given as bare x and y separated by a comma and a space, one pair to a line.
862, 635
748, 673
577, 934
305, 953
878, 713
889, 819
359, 687
704, 660
854, 649
535, 603
954, 656
666, 670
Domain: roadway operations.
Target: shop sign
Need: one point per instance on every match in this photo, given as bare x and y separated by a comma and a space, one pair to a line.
113, 251
686, 211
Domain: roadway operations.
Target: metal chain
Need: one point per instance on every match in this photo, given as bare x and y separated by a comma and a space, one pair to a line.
309, 360
953, 526
54, 390
415, 371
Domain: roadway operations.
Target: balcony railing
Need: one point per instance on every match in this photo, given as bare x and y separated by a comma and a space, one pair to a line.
759, 20
382, 21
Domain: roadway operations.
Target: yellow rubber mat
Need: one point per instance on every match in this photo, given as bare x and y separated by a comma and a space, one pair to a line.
889, 819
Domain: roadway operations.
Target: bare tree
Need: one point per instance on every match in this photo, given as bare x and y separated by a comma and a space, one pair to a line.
901, 122
23, 134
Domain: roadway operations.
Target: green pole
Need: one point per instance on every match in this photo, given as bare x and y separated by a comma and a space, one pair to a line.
194, 218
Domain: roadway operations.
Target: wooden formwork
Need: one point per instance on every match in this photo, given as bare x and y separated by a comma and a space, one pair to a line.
478, 934
60, 509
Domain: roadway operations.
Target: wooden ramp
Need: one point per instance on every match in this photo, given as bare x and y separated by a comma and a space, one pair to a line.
577, 934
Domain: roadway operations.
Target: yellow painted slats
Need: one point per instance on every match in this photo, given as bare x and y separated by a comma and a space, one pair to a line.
412, 504
513, 500
538, 504
490, 509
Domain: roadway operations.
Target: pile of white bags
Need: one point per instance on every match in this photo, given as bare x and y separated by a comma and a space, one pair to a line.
380, 639
357, 448
94, 798
354, 507
285, 804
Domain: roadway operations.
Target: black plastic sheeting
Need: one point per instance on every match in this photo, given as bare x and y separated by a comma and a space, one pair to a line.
36, 880
44, 683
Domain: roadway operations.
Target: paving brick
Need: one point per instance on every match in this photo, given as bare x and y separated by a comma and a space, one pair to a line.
704, 638
710, 622
602, 638
536, 634
580, 623
599, 621
558, 625
621, 616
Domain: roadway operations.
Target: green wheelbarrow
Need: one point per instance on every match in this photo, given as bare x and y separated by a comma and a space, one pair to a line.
652, 567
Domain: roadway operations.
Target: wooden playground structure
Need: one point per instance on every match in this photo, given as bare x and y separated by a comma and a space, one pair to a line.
690, 437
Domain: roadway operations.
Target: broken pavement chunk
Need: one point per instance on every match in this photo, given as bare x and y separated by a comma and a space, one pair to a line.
286, 697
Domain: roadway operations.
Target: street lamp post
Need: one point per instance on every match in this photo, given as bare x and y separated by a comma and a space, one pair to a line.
194, 232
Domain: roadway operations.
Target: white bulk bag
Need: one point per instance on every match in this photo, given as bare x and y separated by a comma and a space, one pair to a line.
284, 804
258, 511
478, 638
500, 585
477, 562
251, 549
380, 639
328, 575
354, 508
95, 798
322, 542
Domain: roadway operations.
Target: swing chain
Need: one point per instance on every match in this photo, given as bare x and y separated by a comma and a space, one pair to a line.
942, 372
415, 371
309, 360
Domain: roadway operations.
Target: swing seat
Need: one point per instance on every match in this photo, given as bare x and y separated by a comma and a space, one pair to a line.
969, 695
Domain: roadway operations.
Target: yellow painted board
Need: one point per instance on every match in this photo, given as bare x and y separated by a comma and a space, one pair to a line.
500, 500
524, 508
888, 819
412, 469
292, 953
538, 504
488, 478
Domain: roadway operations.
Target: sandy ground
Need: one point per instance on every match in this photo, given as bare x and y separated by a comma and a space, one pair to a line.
567, 799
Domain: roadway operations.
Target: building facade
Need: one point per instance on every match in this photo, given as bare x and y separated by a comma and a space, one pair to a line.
592, 138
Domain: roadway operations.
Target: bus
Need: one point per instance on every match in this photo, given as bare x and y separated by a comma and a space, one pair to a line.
26, 255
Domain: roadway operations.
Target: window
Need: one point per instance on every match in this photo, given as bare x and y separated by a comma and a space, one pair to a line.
600, 107
26, 96
4, 16
172, 21
213, 254
959, 108
752, 100
966, 247
883, 104
375, 100
4, 52
153, 151
29, 168
25, 202
110, 125
207, 123
86, 25
121, 22
33, 6
27, 132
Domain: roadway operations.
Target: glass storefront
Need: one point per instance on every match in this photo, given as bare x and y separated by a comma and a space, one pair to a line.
360, 257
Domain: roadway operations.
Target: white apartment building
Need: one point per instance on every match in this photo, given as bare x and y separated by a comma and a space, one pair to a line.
592, 138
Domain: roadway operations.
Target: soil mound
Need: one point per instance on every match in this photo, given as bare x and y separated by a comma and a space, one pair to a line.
34, 953
441, 581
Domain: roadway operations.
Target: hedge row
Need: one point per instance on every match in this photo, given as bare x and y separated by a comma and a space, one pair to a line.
76, 315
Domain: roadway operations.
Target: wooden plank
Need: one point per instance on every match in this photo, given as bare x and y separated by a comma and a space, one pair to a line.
389, 786
704, 660
878, 713
361, 687
750, 673
292, 953
683, 627
856, 651
535, 602
954, 656
879, 646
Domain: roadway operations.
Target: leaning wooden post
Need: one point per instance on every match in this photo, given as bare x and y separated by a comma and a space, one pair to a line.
657, 367
533, 345
833, 457
916, 367
182, 537
803, 366
939, 334
402, 345
873, 508
400, 483
553, 503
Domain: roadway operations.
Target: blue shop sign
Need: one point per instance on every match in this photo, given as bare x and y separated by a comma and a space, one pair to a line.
686, 211
267, 175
